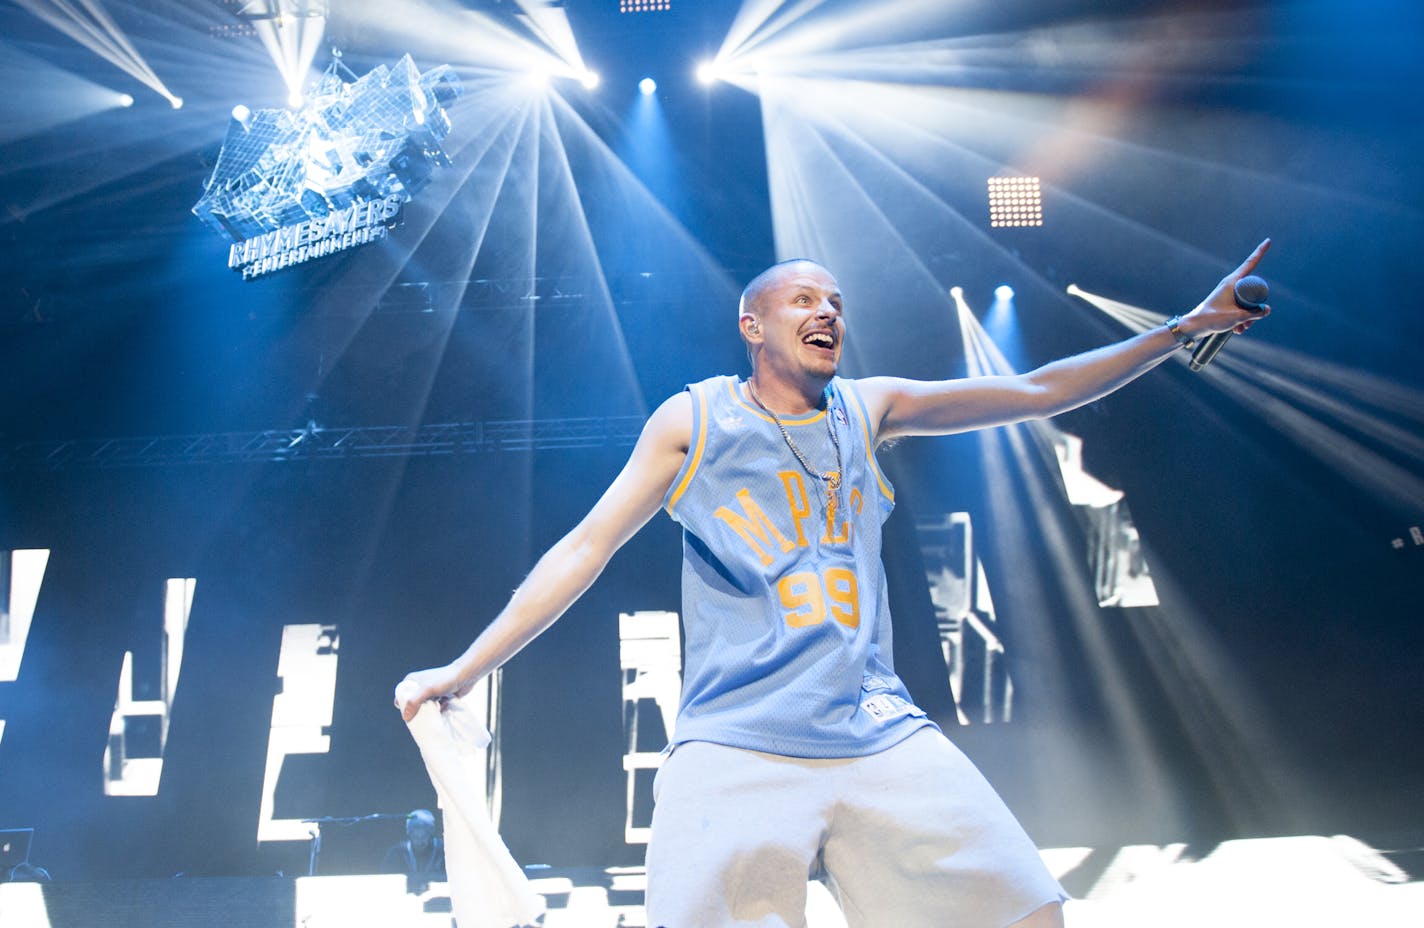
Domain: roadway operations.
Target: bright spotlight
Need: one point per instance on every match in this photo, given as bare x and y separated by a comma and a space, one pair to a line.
589, 80
647, 86
1003, 293
92, 28
956, 292
294, 100
706, 73
125, 100
176, 102
1015, 201
241, 113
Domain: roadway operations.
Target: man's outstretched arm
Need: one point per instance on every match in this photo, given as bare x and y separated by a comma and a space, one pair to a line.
913, 407
572, 564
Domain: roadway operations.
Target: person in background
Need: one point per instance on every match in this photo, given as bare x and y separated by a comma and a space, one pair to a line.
421, 856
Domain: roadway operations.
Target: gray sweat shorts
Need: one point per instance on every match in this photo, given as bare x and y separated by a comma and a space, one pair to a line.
911, 837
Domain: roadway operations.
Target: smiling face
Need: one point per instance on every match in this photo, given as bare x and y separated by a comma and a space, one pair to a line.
791, 321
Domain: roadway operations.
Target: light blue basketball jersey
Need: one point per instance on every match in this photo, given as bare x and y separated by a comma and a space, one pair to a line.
787, 624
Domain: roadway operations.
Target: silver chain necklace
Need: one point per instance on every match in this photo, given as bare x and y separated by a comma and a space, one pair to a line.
832, 478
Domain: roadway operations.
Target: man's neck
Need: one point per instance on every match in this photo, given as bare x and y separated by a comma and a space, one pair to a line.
805, 395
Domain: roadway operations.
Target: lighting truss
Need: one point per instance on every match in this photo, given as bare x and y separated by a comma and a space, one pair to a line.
320, 443
281, 10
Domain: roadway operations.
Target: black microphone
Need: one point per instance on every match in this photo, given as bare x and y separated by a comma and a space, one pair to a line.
1251, 294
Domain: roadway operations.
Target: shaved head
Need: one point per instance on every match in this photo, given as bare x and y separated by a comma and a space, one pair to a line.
752, 294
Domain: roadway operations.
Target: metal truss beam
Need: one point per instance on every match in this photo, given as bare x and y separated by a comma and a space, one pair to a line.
322, 443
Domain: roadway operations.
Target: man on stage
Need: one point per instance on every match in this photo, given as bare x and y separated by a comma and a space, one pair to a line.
797, 750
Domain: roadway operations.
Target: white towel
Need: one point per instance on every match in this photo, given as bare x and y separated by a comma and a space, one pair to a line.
487, 888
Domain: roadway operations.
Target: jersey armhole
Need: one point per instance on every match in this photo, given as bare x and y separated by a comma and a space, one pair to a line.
694, 452
859, 410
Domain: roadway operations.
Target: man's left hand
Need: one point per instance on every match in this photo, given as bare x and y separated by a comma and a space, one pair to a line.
1219, 312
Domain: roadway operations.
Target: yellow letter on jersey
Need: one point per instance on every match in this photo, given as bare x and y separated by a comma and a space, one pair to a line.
841, 536
796, 501
754, 527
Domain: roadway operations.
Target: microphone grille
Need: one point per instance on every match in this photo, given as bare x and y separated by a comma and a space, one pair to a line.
1251, 292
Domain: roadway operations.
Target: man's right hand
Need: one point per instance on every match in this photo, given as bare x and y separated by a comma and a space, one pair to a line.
572, 564
422, 686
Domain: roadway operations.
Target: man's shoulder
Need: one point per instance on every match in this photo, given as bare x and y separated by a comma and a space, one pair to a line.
698, 394
857, 387
712, 382
671, 423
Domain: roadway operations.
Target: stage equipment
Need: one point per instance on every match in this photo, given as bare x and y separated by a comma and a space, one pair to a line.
1015, 201
301, 720
133, 764
974, 653
21, 575
283, 12
650, 657
1416, 535
290, 186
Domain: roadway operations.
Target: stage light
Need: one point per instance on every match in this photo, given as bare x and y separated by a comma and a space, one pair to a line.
1015, 201
707, 73
590, 80
92, 28
999, 323
241, 113
176, 102
957, 293
125, 100
292, 33
647, 86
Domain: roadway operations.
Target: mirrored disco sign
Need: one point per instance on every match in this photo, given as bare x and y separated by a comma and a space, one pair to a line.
293, 185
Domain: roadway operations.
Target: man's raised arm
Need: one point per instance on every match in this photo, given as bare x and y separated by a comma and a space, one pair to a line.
572, 564
910, 407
